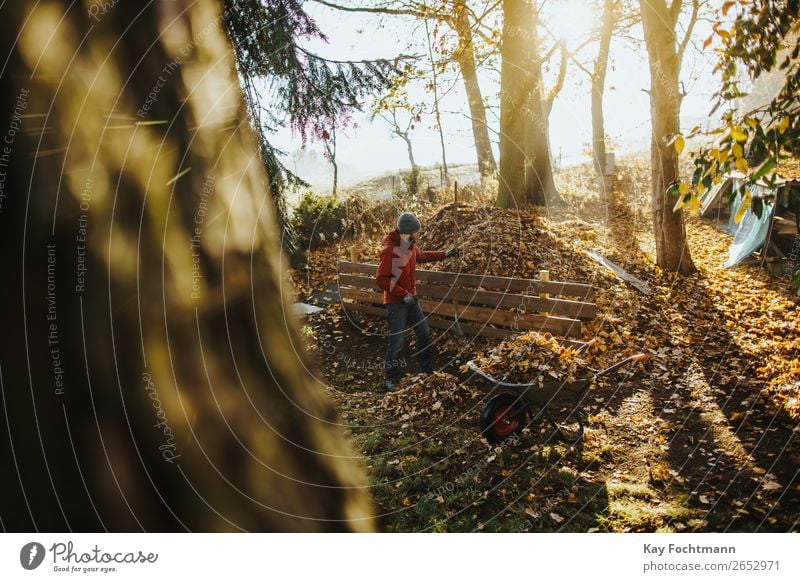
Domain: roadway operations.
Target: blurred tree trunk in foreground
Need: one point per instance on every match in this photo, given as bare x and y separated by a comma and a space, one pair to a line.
152, 377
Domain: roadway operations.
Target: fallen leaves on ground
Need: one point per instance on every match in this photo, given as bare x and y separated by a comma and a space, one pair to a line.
430, 395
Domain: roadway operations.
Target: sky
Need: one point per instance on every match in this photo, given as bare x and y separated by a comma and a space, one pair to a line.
369, 149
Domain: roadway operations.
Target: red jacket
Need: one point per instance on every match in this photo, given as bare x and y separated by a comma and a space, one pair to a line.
396, 273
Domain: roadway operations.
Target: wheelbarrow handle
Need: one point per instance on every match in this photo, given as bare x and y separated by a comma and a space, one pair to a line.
620, 364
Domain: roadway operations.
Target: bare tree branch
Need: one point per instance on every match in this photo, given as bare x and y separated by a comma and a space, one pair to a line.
376, 10
689, 29
559, 84
675, 11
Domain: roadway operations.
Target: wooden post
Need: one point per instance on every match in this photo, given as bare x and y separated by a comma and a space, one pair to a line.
544, 275
353, 257
455, 204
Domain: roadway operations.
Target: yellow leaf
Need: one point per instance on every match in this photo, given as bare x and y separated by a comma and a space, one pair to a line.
726, 7
737, 151
723, 156
717, 179
738, 134
714, 153
743, 208
742, 165
683, 188
784, 124
679, 204
724, 33
701, 189
679, 144
406, 501
694, 205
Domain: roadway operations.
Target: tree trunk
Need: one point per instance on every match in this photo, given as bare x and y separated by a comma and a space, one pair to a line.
598, 92
526, 175
330, 146
150, 376
672, 252
405, 138
465, 56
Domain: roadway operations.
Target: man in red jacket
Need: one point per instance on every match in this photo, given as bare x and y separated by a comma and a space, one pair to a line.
396, 275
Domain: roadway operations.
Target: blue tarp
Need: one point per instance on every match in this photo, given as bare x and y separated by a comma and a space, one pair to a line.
751, 232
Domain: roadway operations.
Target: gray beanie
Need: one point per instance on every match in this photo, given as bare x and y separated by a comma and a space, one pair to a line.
408, 223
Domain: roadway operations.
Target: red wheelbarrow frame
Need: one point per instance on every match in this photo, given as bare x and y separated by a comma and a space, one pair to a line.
504, 414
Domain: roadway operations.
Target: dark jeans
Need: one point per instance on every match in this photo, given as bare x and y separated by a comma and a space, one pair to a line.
400, 315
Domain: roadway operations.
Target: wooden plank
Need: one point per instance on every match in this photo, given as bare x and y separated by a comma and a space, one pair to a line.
529, 303
473, 329
487, 315
638, 284
446, 324
371, 309
512, 284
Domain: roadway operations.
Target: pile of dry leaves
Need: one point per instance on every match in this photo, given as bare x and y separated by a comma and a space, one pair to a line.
431, 396
512, 243
533, 357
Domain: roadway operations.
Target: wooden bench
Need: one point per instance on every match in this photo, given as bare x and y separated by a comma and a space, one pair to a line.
483, 305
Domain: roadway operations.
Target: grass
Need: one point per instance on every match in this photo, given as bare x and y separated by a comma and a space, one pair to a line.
637, 507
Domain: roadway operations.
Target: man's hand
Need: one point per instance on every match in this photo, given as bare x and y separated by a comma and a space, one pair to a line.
409, 299
451, 253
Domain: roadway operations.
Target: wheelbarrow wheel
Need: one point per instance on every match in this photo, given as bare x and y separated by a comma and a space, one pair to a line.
502, 417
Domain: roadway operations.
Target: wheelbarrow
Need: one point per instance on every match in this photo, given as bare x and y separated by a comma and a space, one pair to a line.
504, 415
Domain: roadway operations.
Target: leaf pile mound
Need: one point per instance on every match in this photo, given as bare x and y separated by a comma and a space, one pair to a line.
512, 243
431, 396
533, 357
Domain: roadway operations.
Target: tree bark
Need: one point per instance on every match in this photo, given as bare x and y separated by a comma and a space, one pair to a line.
465, 57
405, 138
598, 92
151, 377
526, 175
658, 21
330, 147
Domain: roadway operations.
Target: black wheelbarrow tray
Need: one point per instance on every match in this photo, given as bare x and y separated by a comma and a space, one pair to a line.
505, 413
